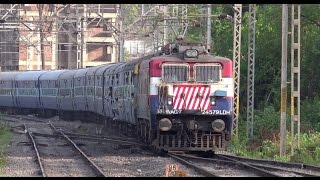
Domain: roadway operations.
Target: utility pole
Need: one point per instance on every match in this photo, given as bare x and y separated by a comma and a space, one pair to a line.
166, 27
251, 64
236, 65
283, 116
40, 10
79, 27
295, 75
209, 28
121, 34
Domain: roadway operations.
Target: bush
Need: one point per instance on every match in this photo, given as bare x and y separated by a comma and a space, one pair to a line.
310, 114
266, 123
266, 142
309, 151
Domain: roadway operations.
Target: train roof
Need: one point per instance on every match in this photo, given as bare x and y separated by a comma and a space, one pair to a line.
200, 58
51, 75
69, 74
112, 68
101, 70
29, 75
81, 72
92, 71
8, 75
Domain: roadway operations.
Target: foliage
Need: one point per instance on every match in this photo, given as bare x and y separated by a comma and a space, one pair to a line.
5, 138
132, 12
266, 123
310, 114
266, 142
267, 79
309, 151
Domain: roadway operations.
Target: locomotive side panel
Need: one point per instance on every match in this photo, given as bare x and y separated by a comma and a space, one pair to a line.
119, 93
27, 88
101, 85
65, 92
95, 85
110, 103
49, 89
129, 92
7, 93
143, 103
79, 87
129, 97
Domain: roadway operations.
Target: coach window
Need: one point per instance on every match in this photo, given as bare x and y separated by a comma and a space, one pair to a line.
117, 79
98, 80
127, 78
110, 81
107, 81
131, 78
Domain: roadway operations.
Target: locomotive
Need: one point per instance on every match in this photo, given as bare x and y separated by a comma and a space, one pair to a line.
178, 100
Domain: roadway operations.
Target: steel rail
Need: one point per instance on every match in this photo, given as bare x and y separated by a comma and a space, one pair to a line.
256, 169
193, 166
37, 151
93, 138
272, 162
22, 118
229, 162
260, 166
93, 165
103, 137
272, 168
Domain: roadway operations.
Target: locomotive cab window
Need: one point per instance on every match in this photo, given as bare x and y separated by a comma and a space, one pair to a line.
207, 73
175, 72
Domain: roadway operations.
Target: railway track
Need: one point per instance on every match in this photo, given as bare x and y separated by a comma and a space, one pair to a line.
86, 161
200, 170
277, 167
42, 173
238, 166
116, 139
262, 168
119, 140
216, 168
18, 118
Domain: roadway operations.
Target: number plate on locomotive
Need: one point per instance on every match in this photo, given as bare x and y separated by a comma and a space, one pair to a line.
216, 112
173, 111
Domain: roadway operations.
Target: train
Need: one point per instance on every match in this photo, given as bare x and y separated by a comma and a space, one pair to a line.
180, 99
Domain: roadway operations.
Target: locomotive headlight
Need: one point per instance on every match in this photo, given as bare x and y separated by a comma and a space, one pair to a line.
218, 125
212, 100
170, 100
191, 53
165, 124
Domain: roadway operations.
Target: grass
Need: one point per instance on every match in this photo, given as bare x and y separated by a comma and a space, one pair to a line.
308, 153
5, 138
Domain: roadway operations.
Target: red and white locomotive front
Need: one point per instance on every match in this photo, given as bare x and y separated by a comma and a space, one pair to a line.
192, 101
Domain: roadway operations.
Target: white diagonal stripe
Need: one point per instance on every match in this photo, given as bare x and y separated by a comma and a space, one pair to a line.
189, 96
178, 99
205, 94
193, 96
